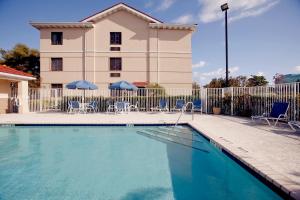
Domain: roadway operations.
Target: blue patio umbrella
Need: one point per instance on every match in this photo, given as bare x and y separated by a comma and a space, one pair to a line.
123, 85
81, 85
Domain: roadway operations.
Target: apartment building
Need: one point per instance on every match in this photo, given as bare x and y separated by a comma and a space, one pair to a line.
118, 43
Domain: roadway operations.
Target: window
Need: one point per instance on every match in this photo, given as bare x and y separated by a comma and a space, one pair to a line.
56, 90
56, 38
115, 38
56, 64
115, 64
115, 74
56, 86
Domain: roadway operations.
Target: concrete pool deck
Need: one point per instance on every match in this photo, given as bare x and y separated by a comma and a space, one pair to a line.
273, 152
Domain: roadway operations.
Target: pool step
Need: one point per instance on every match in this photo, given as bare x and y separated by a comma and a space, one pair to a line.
198, 145
179, 130
171, 133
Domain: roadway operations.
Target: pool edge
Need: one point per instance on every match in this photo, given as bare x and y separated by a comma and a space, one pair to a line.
265, 179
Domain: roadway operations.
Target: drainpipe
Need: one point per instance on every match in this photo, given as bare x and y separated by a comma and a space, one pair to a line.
83, 55
157, 54
94, 43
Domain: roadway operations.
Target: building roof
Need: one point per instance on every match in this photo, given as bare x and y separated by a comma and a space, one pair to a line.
140, 84
89, 21
191, 27
11, 73
290, 78
39, 25
116, 8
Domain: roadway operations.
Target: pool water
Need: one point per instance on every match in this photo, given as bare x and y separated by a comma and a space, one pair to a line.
93, 162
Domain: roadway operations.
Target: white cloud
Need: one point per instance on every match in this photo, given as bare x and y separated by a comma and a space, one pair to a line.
260, 74
184, 19
211, 11
148, 4
252, 12
199, 64
220, 72
206, 76
165, 4
297, 68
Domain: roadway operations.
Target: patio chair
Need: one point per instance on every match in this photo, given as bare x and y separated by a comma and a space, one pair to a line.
180, 105
119, 107
197, 105
294, 124
110, 106
134, 107
92, 106
73, 106
162, 106
278, 112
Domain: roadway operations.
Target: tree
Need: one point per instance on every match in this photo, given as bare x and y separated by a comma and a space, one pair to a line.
216, 83
23, 58
154, 86
195, 86
157, 89
239, 81
255, 80
278, 78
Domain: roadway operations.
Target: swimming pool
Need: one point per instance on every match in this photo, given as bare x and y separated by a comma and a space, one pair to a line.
118, 162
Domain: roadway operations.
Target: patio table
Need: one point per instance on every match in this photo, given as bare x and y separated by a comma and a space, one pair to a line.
126, 107
83, 107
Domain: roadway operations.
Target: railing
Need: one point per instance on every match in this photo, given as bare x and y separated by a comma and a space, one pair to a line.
247, 101
239, 101
41, 100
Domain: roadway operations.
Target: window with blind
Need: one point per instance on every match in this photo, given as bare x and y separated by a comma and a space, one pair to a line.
115, 64
115, 38
56, 38
56, 64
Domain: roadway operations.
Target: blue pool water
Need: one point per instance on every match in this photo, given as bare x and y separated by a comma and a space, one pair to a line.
89, 162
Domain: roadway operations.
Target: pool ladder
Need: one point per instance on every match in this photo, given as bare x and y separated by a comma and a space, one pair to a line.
182, 112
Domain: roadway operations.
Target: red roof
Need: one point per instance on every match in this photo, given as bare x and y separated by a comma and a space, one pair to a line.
9, 70
140, 84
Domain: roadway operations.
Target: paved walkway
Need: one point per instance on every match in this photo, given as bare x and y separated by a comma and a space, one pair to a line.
272, 152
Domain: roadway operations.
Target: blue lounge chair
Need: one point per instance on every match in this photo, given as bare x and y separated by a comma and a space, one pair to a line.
162, 106
73, 106
180, 105
197, 105
294, 124
92, 106
278, 112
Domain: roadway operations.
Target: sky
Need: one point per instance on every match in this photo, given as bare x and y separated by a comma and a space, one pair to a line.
264, 35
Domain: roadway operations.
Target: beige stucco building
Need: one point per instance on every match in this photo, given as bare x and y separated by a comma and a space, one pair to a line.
118, 43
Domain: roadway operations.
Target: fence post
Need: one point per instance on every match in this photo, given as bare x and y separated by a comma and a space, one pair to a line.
295, 100
206, 100
40, 97
232, 104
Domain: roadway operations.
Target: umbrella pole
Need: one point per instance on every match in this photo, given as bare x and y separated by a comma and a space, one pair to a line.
83, 100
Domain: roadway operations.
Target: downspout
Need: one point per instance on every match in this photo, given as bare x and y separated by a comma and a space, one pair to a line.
94, 43
157, 60
83, 56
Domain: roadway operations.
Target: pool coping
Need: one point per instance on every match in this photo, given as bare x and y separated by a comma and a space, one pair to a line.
267, 177
244, 161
